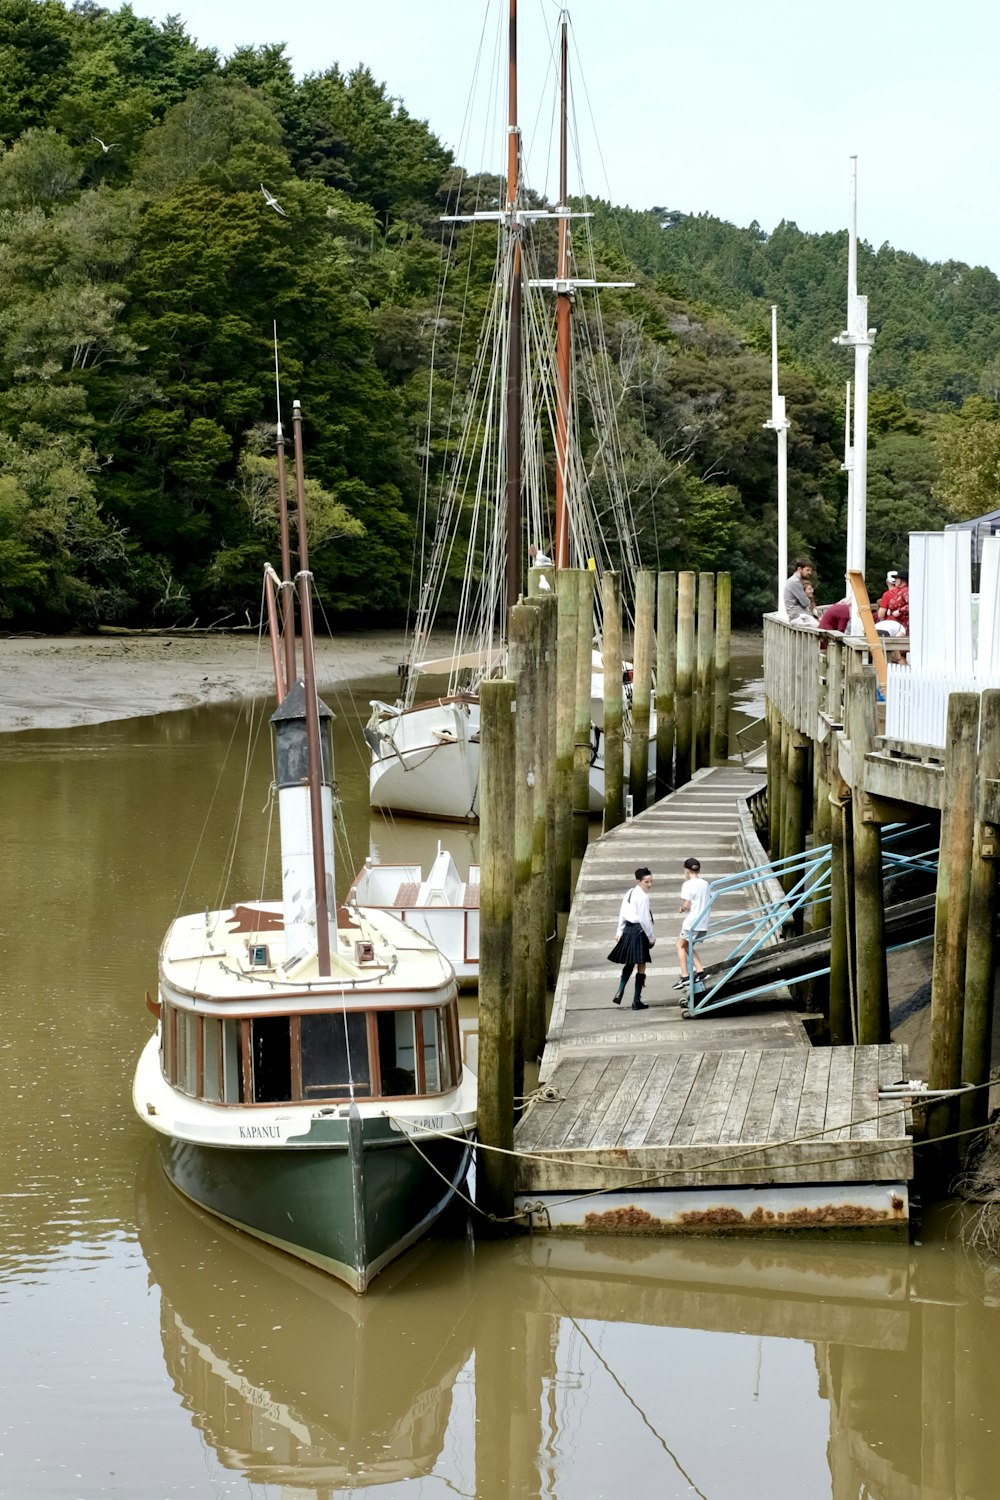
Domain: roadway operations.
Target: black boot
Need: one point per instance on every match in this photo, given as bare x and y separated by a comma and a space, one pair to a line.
622, 983
637, 1004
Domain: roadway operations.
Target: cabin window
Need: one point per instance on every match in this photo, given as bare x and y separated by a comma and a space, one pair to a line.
231, 1065
271, 1058
432, 1051
335, 1055
187, 1051
211, 1086
397, 1052
168, 1041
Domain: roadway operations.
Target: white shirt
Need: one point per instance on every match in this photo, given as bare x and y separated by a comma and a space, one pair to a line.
697, 892
635, 908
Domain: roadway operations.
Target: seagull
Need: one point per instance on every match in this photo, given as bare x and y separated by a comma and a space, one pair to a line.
272, 202
103, 147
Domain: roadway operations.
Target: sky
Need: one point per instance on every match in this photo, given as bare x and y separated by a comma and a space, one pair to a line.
736, 108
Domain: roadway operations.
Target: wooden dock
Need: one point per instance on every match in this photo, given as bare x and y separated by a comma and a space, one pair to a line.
732, 1120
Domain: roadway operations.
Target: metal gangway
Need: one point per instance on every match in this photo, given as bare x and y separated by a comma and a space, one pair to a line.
772, 950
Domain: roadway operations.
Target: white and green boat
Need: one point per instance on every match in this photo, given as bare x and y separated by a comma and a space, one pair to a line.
306, 1075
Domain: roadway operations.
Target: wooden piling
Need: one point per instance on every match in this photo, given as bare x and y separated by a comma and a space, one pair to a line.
783, 742
685, 676
723, 630
841, 1027
872, 985
614, 746
822, 819
547, 938
666, 679
567, 595
773, 727
495, 1113
524, 654
581, 720
706, 655
951, 910
794, 840
980, 951
642, 688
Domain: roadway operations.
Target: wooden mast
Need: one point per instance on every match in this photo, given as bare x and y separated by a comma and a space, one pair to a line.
312, 708
564, 304
287, 591
513, 402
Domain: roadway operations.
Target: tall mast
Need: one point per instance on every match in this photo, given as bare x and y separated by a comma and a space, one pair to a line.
513, 403
779, 423
564, 303
287, 592
859, 337
312, 708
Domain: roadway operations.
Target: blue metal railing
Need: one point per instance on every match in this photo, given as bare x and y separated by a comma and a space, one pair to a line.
768, 921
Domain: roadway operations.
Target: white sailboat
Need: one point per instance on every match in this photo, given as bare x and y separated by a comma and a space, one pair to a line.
524, 401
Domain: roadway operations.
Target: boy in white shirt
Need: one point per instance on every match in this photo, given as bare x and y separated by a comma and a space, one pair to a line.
695, 896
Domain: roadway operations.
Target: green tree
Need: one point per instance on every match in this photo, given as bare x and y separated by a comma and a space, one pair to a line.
968, 450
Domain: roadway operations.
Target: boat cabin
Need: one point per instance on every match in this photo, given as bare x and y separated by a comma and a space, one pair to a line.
311, 1057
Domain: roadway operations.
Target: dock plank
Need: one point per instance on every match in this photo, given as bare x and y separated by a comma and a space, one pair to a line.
588, 1121
765, 1086
616, 1115
788, 1097
695, 1102
675, 1096
636, 1127
708, 1127
574, 1080
732, 1126
840, 1096
866, 1107
815, 1088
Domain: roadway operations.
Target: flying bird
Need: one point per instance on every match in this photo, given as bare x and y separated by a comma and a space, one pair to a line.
272, 202
103, 147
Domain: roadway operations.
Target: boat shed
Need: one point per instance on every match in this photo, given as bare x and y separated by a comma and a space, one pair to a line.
980, 527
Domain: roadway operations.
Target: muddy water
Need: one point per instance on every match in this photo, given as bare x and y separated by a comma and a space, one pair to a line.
149, 1352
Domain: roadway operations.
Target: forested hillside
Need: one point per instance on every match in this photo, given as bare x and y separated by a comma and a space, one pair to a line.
142, 272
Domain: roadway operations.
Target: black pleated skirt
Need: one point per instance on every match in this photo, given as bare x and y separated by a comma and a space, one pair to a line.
632, 947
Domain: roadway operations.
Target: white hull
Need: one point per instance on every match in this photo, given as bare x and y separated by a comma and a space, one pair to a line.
425, 760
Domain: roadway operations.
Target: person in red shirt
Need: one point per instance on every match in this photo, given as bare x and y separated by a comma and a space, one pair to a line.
895, 604
836, 616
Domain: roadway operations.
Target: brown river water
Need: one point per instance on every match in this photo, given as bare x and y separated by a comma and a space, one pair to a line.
150, 1353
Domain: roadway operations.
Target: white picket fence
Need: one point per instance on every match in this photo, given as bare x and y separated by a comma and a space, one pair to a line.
916, 703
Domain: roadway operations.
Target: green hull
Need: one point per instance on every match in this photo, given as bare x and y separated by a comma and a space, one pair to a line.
349, 1205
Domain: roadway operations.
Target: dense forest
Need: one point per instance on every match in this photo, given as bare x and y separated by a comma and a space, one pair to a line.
143, 271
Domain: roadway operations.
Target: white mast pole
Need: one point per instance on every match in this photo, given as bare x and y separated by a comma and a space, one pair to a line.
779, 423
848, 465
860, 337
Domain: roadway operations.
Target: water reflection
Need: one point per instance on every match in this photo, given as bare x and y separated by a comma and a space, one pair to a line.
581, 1367
292, 1378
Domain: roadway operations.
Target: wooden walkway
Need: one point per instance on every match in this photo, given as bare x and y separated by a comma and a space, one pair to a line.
733, 1100
702, 819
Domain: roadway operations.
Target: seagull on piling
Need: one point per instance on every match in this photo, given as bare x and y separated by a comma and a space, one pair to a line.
272, 202
103, 147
